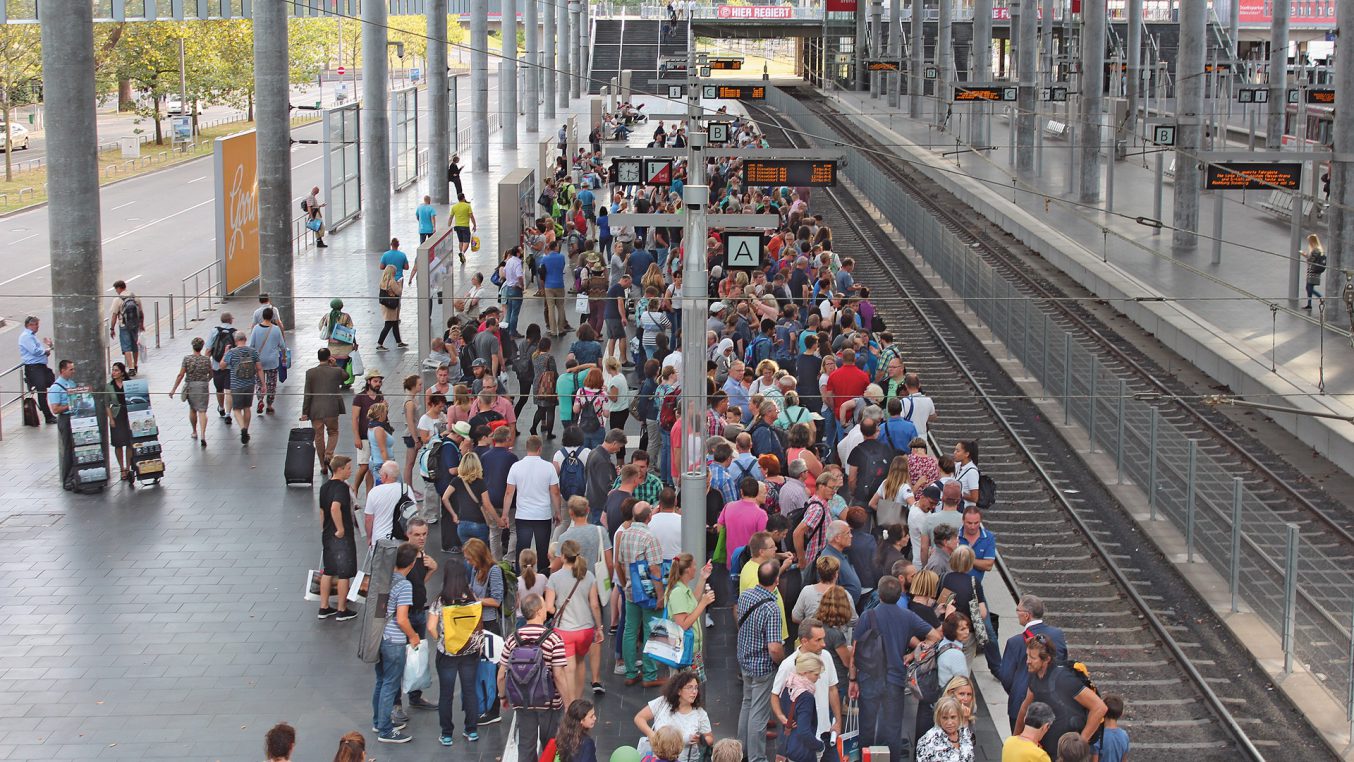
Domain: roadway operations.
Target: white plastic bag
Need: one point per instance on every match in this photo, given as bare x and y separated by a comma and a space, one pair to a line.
417, 669
355, 362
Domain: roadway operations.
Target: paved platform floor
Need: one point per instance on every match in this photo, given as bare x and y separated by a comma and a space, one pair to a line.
167, 622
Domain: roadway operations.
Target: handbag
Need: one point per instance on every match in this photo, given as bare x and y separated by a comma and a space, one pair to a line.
343, 334
848, 743
355, 365
581, 304
667, 643
388, 299
314, 225
599, 570
311, 591
976, 618
642, 592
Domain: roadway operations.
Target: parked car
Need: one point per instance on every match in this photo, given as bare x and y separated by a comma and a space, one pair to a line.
18, 137
173, 107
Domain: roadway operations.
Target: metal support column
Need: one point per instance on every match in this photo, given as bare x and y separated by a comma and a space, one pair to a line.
547, 72
1290, 596
272, 119
981, 69
1026, 98
1189, 88
1236, 542
576, 57
1135, 63
1278, 76
1092, 99
944, 58
1191, 488
1342, 184
479, 84
507, 81
876, 40
916, 83
694, 310
896, 49
862, 77
565, 53
73, 190
439, 136
531, 23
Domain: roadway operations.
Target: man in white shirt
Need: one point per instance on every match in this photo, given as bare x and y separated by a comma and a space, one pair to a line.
535, 484
917, 407
666, 524
382, 499
825, 694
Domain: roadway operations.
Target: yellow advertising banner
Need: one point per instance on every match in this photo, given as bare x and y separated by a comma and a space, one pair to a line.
237, 210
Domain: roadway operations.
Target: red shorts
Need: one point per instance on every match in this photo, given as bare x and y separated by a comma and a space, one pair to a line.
577, 642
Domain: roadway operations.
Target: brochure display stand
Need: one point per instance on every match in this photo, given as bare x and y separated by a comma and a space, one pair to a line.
86, 465
147, 464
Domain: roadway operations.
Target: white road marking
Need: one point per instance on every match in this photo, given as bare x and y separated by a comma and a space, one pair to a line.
157, 221
25, 275
25, 238
127, 280
196, 179
122, 206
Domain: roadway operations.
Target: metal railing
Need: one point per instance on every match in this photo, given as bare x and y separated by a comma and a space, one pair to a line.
1305, 593
206, 288
302, 237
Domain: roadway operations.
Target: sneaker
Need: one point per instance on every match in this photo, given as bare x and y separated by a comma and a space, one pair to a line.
470, 735
221, 412
397, 728
422, 703
382, 348
321, 245
258, 409
399, 717
244, 436
446, 740
325, 613
401, 345
343, 616
491, 716
619, 670
394, 736
598, 690
227, 419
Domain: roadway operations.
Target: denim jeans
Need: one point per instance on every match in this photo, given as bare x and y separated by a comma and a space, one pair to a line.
665, 458
389, 673
469, 529
449, 669
514, 296
881, 721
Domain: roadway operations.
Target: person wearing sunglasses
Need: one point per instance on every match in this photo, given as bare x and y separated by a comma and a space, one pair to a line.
1077, 708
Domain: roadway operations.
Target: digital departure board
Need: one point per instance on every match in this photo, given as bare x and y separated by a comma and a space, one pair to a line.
726, 64
735, 92
1321, 96
1239, 175
984, 93
883, 64
809, 173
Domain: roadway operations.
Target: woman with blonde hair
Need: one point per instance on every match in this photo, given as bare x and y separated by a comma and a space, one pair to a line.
380, 437
961, 688
1316, 267
801, 743
922, 596
949, 740
459, 405
389, 298
896, 485
466, 503
571, 597
766, 378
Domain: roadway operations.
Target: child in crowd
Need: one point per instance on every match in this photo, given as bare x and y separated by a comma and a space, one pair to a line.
1113, 744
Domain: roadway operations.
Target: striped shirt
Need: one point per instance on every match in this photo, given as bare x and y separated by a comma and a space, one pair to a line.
721, 478
761, 628
401, 594
816, 518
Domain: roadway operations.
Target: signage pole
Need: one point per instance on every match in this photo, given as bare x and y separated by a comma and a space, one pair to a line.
1218, 200
1296, 217
1156, 193
916, 82
695, 286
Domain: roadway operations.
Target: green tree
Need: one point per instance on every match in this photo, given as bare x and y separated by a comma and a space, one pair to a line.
20, 78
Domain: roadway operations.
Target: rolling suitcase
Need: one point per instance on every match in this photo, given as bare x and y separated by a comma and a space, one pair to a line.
299, 467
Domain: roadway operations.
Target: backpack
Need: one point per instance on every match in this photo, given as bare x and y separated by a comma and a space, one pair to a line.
573, 479
305, 206
545, 388
869, 657
484, 418
923, 675
667, 413
987, 491
131, 313
1316, 263
247, 368
758, 350
405, 509
427, 458
460, 625
221, 343
589, 420
744, 471
530, 682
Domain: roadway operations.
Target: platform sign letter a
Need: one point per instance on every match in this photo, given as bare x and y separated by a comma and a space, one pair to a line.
745, 249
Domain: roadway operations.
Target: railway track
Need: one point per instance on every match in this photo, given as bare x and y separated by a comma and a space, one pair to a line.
1190, 686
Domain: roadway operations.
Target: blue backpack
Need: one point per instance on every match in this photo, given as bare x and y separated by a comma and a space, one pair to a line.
758, 350
572, 477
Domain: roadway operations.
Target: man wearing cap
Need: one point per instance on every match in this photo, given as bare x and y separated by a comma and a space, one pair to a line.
448, 461
715, 322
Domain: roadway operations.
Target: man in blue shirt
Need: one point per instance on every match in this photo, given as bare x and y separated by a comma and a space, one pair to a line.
553, 264
397, 258
898, 432
901, 630
589, 201
640, 259
984, 545
33, 354
59, 400
427, 219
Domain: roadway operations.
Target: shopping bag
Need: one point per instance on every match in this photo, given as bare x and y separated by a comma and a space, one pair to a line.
417, 668
312, 588
599, 571
890, 512
642, 592
668, 643
357, 591
355, 365
848, 743
314, 225
581, 304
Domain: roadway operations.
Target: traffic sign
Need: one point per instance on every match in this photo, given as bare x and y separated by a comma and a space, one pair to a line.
743, 249
807, 173
1163, 134
1252, 95
1056, 94
657, 172
984, 93
718, 133
1241, 175
341, 71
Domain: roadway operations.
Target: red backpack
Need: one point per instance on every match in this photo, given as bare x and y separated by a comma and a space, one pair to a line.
667, 413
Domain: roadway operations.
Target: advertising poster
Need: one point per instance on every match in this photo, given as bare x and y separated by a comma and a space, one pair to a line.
237, 210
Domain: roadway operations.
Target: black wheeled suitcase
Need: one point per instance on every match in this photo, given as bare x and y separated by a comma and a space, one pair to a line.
299, 467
